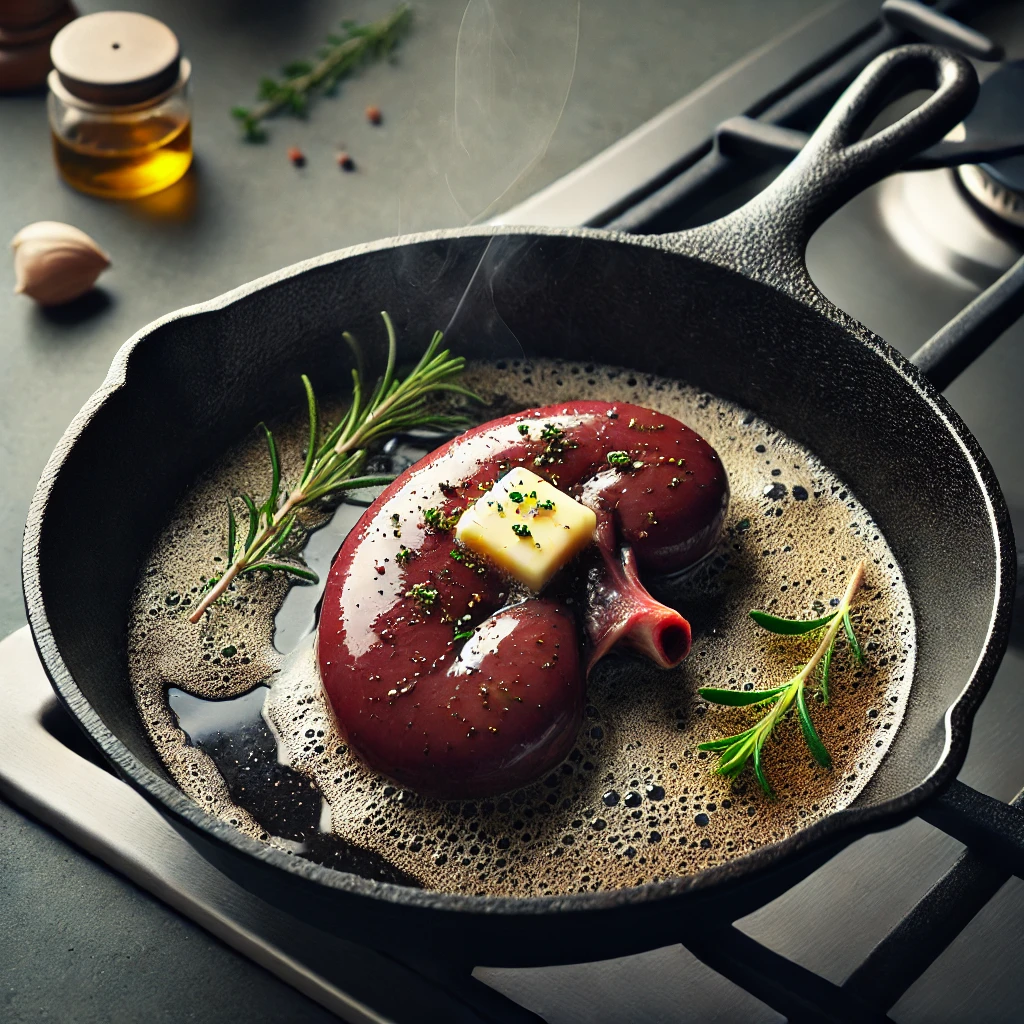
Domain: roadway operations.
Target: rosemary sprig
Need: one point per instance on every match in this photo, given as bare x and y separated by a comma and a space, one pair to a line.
341, 55
736, 751
334, 462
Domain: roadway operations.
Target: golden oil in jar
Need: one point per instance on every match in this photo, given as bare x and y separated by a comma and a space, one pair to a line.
125, 164
118, 105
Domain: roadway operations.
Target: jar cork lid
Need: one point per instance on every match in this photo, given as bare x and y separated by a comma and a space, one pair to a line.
116, 58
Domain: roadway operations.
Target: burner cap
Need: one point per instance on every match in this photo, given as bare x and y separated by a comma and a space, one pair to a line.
999, 185
985, 184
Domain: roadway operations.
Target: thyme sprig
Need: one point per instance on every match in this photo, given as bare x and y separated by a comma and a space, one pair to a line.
736, 751
335, 461
341, 55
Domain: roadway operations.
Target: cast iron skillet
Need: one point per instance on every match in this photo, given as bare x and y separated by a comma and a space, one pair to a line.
728, 307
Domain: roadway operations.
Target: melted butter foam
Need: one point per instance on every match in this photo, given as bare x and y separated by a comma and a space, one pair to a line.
635, 801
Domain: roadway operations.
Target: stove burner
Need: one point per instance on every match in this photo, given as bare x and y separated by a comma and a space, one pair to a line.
933, 222
998, 186
993, 187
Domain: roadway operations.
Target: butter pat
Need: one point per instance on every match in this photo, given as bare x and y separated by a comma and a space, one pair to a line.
527, 527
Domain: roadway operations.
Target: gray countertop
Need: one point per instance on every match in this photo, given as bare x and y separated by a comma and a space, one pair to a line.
478, 113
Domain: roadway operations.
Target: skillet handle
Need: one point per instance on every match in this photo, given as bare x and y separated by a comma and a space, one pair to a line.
767, 238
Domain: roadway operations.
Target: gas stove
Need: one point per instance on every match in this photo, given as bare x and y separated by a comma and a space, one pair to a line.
919, 923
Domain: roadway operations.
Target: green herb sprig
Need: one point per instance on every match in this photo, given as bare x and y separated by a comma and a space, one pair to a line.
736, 751
334, 462
340, 56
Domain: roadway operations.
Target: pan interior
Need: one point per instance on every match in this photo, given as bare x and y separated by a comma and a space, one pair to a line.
636, 801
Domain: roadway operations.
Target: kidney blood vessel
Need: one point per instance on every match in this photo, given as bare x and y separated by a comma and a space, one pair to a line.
455, 663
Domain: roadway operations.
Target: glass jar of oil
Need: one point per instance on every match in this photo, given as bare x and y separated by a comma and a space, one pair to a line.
118, 105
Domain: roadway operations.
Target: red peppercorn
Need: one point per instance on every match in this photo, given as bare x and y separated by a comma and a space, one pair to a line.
296, 156
345, 162
373, 115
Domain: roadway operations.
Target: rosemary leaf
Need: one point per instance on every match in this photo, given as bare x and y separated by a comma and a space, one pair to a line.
296, 68
725, 741
826, 664
279, 542
232, 532
254, 522
275, 473
790, 627
817, 748
314, 426
758, 770
738, 698
735, 757
854, 646
340, 484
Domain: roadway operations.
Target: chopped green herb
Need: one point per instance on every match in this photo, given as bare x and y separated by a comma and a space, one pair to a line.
547, 505
463, 634
557, 445
619, 459
404, 554
523, 429
435, 519
516, 496
633, 425
424, 595
521, 530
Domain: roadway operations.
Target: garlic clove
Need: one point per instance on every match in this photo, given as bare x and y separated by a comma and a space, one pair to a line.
55, 263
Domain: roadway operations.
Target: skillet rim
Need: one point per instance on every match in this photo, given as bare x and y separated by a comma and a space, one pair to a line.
849, 823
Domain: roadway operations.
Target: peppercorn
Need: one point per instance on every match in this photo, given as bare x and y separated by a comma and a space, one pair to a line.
297, 157
345, 162
373, 115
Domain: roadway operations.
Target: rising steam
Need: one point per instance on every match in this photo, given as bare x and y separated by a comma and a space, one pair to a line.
514, 65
